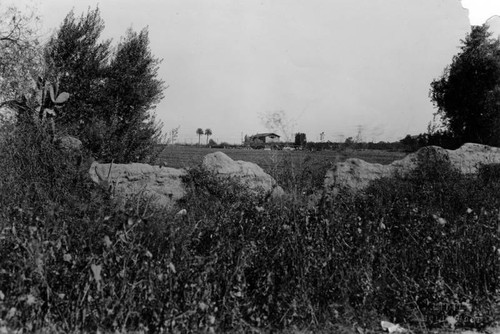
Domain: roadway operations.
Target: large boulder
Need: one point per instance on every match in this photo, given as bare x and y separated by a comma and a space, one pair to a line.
356, 174
248, 174
163, 185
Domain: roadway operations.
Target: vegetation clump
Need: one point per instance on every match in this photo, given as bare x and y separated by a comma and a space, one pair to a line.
416, 251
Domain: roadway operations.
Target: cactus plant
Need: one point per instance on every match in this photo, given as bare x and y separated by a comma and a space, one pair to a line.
50, 102
51, 99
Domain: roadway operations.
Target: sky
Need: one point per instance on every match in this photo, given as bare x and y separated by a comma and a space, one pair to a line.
343, 67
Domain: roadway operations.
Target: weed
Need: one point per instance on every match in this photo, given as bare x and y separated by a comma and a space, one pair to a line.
416, 250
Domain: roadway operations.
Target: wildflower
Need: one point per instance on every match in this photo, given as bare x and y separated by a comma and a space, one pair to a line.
392, 328
203, 306
451, 321
107, 241
182, 212
30, 300
439, 220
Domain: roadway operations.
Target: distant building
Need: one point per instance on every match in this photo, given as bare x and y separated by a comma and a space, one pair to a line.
264, 138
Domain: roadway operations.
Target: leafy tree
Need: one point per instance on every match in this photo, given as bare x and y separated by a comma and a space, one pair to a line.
300, 139
78, 61
199, 132
112, 93
132, 92
20, 55
468, 93
208, 133
349, 141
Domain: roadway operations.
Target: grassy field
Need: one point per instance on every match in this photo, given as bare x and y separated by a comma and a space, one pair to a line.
189, 156
293, 170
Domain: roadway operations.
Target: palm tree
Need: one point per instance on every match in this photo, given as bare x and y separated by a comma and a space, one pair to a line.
199, 132
208, 133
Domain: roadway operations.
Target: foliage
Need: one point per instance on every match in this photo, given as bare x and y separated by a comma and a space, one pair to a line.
414, 250
199, 132
79, 59
413, 143
468, 93
300, 139
208, 133
113, 93
133, 90
298, 174
173, 135
20, 56
427, 263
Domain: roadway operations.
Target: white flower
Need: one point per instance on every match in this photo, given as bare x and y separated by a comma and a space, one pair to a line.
392, 328
107, 241
30, 300
451, 320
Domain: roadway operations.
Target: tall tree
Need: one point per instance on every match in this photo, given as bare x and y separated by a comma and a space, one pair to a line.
300, 139
199, 132
113, 94
468, 93
133, 91
20, 54
208, 133
77, 60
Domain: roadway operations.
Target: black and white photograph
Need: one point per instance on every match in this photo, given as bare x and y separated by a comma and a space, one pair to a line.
250, 166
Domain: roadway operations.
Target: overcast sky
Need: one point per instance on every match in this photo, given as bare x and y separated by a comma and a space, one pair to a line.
333, 66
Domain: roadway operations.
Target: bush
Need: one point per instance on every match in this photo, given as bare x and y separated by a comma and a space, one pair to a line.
435, 251
414, 250
297, 174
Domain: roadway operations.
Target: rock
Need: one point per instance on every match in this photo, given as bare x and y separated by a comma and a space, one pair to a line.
246, 173
162, 184
356, 174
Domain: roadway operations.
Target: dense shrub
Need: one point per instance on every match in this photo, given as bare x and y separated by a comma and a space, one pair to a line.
436, 246
414, 250
296, 174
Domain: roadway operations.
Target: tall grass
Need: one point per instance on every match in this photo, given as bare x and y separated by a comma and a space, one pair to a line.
414, 250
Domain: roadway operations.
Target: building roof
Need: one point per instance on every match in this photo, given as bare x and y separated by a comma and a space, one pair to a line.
268, 134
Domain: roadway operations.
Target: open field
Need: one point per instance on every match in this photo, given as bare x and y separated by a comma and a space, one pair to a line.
293, 170
189, 156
